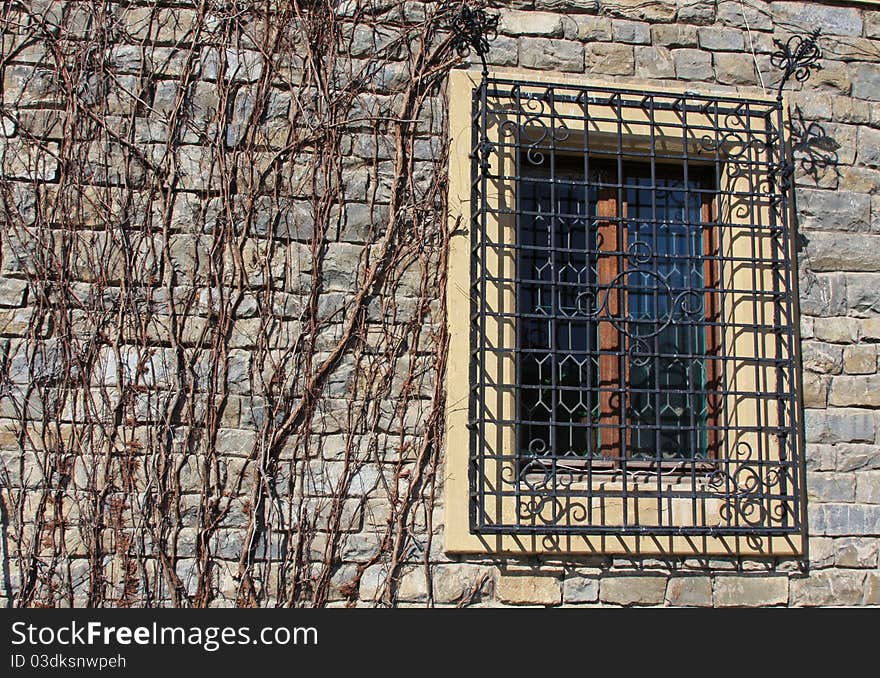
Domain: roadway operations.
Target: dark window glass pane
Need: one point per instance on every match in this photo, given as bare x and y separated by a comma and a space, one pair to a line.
666, 336
557, 339
661, 322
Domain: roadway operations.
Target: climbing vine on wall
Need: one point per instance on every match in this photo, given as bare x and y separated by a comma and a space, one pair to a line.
223, 233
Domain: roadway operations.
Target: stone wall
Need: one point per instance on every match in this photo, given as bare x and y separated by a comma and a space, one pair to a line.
212, 392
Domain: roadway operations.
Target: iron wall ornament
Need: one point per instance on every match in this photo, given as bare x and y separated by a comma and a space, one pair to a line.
797, 57
473, 29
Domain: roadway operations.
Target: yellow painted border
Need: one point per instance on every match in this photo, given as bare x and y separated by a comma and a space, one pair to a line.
458, 537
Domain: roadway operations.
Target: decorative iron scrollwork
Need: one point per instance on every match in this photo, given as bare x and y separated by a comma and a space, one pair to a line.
751, 493
473, 29
605, 322
798, 56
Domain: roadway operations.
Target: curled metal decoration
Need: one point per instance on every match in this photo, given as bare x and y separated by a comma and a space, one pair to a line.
797, 57
473, 29
528, 119
737, 144
748, 491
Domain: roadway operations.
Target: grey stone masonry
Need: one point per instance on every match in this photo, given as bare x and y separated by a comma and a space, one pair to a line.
186, 256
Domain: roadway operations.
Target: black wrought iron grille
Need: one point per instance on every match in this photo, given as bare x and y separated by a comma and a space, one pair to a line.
633, 361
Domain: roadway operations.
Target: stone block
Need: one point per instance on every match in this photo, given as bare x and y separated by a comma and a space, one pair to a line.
674, 35
860, 359
528, 589
633, 590
551, 55
755, 15
836, 330
866, 81
863, 293
822, 294
872, 589
515, 22
845, 520
716, 38
872, 24
692, 64
168, 26
579, 588
833, 20
12, 292
807, 326
458, 582
27, 160
569, 6
735, 69
833, 210
593, 29
503, 51
632, 32
855, 552
815, 390
869, 146
689, 592
847, 109
858, 179
822, 357
643, 10
870, 329
610, 59
855, 391
821, 552
654, 62
821, 457
835, 426
828, 588
831, 487
850, 457
750, 591
868, 487
829, 251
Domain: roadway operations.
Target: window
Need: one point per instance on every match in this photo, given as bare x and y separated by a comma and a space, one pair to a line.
602, 263
620, 280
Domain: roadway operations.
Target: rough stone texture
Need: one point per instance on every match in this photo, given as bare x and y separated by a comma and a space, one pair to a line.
692, 64
855, 391
721, 39
734, 69
554, 55
654, 62
833, 20
834, 210
633, 590
579, 588
515, 22
855, 552
861, 359
750, 591
689, 592
528, 589
610, 59
633, 32
674, 35
829, 588
827, 251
